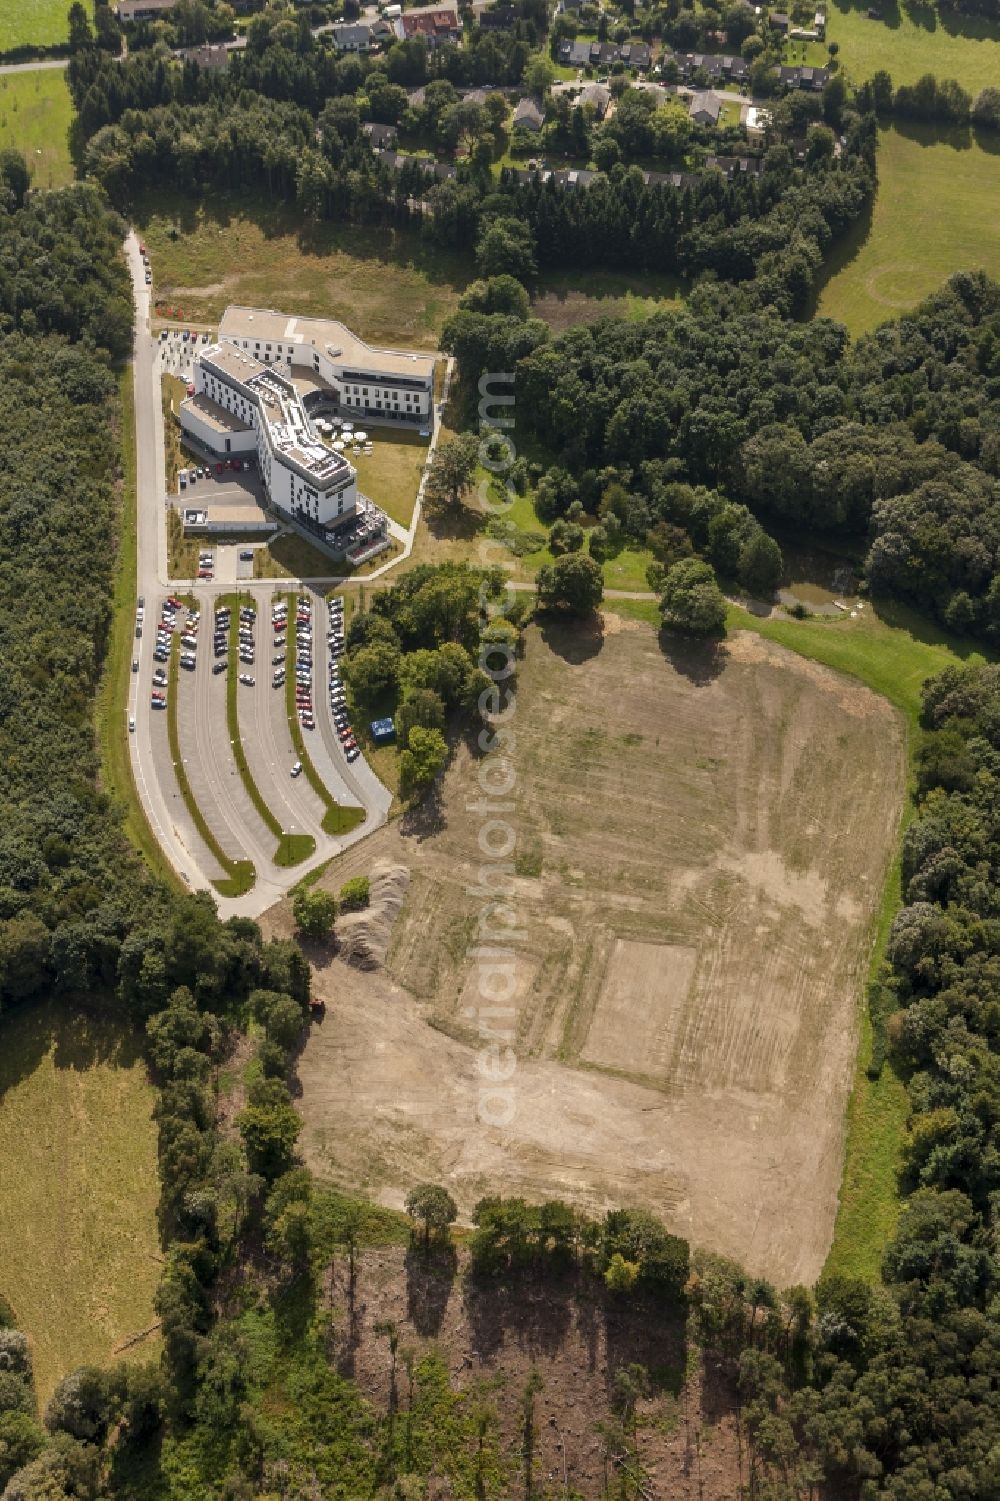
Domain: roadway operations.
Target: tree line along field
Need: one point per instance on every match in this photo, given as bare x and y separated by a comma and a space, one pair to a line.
79, 1250
35, 117
937, 211
394, 289
697, 874
910, 40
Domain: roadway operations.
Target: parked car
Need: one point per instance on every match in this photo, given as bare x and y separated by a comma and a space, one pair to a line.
247, 680
353, 753
246, 556
219, 666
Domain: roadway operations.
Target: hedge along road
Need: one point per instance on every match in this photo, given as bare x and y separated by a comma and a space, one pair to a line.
217, 772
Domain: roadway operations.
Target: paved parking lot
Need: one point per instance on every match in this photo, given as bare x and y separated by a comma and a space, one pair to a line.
268, 743
162, 761
207, 752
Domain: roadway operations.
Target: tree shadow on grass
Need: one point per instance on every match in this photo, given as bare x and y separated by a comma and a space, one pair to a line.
931, 133
902, 618
888, 11
700, 661
575, 640
846, 249
987, 140
77, 1038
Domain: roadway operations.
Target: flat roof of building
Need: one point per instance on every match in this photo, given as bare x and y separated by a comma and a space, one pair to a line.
328, 334
235, 515
232, 362
214, 415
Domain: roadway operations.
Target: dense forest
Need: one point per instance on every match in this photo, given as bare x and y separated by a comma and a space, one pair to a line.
666, 428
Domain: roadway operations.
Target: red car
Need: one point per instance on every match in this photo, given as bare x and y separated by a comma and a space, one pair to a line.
219, 468
142, 248
190, 388
204, 573
173, 600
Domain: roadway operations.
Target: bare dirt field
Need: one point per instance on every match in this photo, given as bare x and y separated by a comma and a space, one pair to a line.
702, 837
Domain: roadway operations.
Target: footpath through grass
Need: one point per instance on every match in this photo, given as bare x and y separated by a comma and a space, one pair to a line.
35, 115
937, 211
292, 848
111, 709
892, 652
337, 819
240, 874
79, 1184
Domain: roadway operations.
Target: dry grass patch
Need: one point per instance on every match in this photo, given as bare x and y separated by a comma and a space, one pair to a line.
79, 1256
391, 287
702, 839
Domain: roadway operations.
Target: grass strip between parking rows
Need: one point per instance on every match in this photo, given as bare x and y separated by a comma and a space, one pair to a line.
337, 819
292, 848
111, 708
240, 874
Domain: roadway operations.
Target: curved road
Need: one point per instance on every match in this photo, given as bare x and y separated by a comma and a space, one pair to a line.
227, 808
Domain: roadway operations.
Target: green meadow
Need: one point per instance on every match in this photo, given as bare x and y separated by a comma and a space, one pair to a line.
35, 115
937, 212
909, 41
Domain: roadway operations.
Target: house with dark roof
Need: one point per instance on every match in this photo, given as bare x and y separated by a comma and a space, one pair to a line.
379, 136
813, 79
636, 55
670, 179
598, 96
705, 108
497, 18
575, 54
528, 114
441, 171
352, 38
735, 167
718, 66
211, 57
778, 21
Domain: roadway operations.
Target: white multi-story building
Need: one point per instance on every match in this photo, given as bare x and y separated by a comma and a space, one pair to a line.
247, 403
381, 385
241, 406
